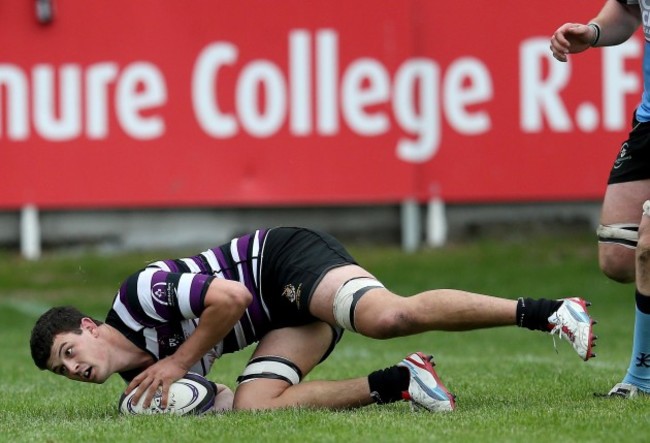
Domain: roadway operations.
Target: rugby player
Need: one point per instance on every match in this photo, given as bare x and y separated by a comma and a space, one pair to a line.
292, 291
624, 231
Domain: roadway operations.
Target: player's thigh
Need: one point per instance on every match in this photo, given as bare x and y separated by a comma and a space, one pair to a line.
322, 300
376, 310
623, 202
302, 346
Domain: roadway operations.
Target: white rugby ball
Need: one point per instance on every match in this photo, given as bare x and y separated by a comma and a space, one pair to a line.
191, 394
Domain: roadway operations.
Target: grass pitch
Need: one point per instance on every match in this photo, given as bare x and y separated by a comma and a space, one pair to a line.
512, 385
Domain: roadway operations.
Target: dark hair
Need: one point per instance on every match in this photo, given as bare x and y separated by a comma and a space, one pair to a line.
55, 321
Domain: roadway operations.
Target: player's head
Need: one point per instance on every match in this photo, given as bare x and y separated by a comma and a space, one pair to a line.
53, 323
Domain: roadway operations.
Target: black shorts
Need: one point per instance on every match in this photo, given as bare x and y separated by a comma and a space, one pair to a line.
294, 260
633, 160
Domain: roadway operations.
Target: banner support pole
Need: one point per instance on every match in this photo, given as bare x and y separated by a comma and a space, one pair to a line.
30, 233
411, 225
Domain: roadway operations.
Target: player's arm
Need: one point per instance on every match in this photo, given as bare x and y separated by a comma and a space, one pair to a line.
615, 23
224, 304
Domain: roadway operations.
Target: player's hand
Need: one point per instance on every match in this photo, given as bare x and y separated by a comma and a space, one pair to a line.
571, 38
159, 375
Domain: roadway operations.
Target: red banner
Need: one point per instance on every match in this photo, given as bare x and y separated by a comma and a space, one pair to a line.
165, 103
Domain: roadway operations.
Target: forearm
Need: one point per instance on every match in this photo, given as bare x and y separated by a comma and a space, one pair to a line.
224, 304
617, 23
214, 325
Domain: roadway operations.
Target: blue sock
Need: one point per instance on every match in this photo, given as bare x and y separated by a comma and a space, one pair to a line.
638, 373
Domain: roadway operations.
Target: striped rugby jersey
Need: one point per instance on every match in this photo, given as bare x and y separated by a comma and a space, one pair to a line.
158, 307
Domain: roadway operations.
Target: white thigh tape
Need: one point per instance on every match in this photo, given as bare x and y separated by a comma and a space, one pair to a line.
346, 298
646, 208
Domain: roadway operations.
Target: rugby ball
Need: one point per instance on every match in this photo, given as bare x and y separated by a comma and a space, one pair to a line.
191, 394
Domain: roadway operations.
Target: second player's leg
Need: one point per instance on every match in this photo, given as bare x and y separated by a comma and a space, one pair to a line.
619, 218
637, 378
643, 252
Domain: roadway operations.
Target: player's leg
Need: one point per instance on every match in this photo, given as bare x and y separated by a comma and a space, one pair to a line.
350, 297
628, 189
628, 186
637, 378
379, 313
313, 274
643, 252
273, 376
617, 232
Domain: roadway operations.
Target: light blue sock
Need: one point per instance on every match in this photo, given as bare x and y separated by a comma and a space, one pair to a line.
638, 373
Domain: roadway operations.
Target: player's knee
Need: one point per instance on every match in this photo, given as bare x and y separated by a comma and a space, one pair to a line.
257, 399
643, 245
616, 246
617, 268
390, 323
643, 248
643, 257
263, 382
616, 262
249, 403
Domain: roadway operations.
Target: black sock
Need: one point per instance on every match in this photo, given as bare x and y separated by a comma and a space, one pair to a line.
642, 302
387, 385
533, 314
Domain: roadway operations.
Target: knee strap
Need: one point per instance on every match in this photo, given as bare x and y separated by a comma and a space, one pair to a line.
347, 297
624, 234
271, 367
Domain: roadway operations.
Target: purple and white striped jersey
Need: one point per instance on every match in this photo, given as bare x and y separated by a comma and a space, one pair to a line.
158, 307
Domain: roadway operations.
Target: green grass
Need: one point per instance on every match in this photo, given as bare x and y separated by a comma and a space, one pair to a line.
511, 383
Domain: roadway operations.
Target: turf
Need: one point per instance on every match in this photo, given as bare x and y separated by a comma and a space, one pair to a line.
512, 385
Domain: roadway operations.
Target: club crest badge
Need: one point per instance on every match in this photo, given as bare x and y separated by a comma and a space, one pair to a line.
292, 294
622, 156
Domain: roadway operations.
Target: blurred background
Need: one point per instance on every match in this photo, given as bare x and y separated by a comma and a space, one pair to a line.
155, 124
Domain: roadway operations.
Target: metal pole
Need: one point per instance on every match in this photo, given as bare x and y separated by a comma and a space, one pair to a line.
411, 225
30, 233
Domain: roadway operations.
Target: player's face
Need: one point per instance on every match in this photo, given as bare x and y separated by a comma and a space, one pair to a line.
80, 357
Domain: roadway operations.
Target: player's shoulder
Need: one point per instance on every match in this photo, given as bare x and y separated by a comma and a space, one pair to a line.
132, 281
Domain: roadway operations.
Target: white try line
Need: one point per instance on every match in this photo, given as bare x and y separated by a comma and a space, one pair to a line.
29, 308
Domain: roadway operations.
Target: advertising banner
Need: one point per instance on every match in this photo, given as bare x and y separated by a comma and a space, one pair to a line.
154, 103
